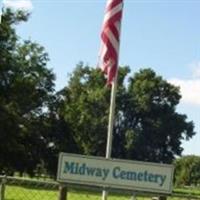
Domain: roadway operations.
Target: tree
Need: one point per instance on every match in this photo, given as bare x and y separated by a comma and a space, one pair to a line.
57, 134
27, 87
187, 170
147, 126
86, 109
152, 127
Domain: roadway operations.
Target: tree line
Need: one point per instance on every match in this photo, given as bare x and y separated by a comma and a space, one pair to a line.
37, 122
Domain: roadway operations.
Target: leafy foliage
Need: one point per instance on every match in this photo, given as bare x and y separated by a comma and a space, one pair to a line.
187, 170
147, 126
151, 121
86, 109
26, 87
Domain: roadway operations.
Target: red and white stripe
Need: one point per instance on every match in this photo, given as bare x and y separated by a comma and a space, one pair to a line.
110, 36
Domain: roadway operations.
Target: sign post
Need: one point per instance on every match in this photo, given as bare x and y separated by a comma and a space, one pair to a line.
62, 192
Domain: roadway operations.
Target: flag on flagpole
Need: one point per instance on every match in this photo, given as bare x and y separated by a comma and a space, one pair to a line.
1, 11
110, 38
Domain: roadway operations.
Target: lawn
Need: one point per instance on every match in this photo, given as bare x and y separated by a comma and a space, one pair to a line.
23, 193
27, 193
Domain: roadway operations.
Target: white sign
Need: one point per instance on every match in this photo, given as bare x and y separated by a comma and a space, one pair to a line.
114, 173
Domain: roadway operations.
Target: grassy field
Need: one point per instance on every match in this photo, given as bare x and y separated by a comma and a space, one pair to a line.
23, 193
31, 189
188, 191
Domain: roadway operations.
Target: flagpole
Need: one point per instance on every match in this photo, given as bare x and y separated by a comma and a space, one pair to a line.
112, 39
1, 12
111, 118
110, 125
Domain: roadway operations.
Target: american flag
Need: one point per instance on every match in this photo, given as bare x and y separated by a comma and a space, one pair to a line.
110, 37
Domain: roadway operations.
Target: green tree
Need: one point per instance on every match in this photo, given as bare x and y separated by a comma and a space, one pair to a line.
26, 88
58, 135
147, 126
86, 109
187, 170
153, 129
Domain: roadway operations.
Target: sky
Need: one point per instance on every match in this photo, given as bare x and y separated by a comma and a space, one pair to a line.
161, 34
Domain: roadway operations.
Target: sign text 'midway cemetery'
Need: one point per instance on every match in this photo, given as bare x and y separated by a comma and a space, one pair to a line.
116, 174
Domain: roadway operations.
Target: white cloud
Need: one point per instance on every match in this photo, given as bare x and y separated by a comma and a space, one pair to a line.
18, 4
195, 66
190, 90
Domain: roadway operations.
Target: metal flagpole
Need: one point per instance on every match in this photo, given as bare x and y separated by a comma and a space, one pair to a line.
111, 125
1, 11
112, 101
111, 118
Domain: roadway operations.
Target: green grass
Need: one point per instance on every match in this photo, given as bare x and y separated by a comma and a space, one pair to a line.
22, 193
27, 193
188, 191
